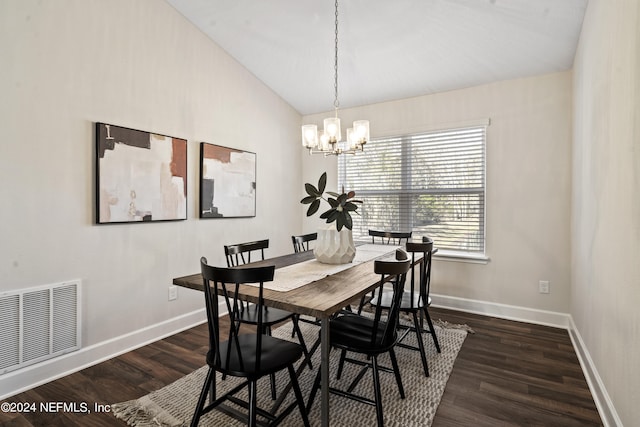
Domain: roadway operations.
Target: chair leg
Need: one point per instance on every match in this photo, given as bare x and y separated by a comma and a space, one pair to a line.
396, 372
203, 397
377, 392
432, 331
423, 356
253, 404
212, 389
293, 330
361, 304
298, 394
272, 377
296, 329
314, 391
274, 392
343, 356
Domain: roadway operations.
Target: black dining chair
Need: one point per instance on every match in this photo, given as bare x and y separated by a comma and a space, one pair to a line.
389, 237
301, 243
370, 336
239, 254
379, 237
247, 355
415, 299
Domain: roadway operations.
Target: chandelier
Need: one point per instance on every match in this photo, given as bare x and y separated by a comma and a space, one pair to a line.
329, 140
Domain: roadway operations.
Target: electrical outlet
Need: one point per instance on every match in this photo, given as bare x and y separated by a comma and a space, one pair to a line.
543, 286
173, 293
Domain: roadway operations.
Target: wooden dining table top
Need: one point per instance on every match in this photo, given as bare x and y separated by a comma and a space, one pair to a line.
320, 298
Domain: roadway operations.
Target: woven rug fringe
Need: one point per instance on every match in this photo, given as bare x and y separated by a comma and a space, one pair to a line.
447, 325
144, 412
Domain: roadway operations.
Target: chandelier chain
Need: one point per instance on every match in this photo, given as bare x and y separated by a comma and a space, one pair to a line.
336, 103
329, 141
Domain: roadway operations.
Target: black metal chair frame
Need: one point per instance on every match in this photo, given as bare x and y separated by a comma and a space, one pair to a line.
235, 255
415, 302
250, 356
301, 243
377, 337
386, 238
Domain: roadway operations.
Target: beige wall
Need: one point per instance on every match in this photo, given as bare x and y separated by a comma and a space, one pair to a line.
69, 63
528, 184
606, 200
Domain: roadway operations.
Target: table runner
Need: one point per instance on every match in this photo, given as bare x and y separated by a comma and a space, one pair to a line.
296, 275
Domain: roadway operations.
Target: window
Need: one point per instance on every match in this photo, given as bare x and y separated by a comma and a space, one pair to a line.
432, 183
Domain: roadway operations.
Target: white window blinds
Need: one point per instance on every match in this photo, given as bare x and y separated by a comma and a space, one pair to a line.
430, 183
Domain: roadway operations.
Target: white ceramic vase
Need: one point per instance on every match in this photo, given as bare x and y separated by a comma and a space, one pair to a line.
333, 246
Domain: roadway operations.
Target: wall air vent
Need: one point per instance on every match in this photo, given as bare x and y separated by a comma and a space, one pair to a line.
37, 324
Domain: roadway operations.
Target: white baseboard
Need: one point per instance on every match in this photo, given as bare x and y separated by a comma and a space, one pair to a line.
600, 395
32, 376
599, 392
503, 311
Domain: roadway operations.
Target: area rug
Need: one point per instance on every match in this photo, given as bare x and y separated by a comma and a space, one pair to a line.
174, 404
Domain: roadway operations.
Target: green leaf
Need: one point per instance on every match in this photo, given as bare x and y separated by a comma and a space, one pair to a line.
331, 193
348, 221
340, 222
326, 214
333, 202
308, 199
322, 182
342, 199
311, 190
313, 207
350, 206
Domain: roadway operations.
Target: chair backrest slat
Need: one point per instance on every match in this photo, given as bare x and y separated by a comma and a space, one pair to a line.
240, 253
390, 237
301, 243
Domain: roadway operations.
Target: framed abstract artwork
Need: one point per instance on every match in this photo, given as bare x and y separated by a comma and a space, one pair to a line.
227, 182
140, 176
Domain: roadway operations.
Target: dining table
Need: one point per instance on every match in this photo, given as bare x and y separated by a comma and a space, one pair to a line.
303, 285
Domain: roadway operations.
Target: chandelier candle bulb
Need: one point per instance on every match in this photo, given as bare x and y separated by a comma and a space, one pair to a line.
332, 129
352, 139
362, 130
309, 136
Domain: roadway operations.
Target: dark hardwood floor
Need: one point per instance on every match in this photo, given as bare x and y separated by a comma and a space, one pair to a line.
506, 374
512, 373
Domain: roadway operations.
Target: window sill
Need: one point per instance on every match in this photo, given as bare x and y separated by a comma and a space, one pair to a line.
455, 256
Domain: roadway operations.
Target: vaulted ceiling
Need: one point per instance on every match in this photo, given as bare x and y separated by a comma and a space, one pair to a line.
388, 49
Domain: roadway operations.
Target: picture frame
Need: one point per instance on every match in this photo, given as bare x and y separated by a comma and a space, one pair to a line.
140, 176
227, 182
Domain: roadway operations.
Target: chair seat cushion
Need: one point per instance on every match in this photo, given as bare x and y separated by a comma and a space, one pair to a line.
405, 304
270, 315
354, 332
238, 357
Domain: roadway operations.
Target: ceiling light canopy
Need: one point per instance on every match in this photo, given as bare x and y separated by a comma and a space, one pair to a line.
329, 140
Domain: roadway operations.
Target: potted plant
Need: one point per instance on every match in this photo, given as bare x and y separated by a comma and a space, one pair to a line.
335, 243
